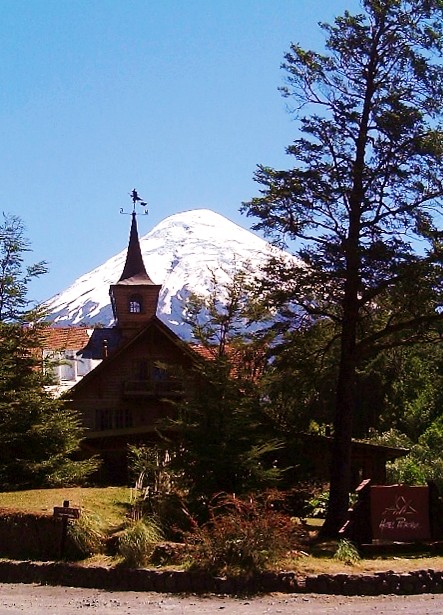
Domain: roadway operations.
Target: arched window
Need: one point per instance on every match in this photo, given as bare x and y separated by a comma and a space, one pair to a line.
135, 304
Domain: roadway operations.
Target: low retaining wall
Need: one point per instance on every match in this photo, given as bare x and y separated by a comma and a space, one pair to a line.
72, 575
34, 536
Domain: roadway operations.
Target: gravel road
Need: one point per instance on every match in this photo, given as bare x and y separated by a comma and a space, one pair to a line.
46, 600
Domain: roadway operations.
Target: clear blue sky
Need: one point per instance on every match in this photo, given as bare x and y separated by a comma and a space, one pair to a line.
177, 98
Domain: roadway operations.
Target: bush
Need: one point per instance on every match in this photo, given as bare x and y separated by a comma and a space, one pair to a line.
425, 460
137, 542
86, 536
347, 552
297, 499
172, 510
242, 535
317, 507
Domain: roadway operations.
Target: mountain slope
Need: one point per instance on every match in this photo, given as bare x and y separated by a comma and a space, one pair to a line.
181, 253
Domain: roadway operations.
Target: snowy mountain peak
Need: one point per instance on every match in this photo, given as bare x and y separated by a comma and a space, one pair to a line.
181, 253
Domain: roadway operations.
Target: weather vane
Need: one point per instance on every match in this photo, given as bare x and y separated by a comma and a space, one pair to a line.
135, 199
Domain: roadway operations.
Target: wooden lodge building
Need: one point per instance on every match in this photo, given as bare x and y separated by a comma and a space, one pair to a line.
122, 379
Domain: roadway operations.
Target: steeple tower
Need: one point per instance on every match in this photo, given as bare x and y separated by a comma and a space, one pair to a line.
134, 297
134, 265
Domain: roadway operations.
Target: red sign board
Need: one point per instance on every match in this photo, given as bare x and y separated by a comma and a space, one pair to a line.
400, 513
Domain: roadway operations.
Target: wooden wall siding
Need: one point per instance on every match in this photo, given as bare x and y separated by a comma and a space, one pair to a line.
122, 294
106, 396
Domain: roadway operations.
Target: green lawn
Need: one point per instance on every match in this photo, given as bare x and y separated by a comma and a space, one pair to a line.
109, 503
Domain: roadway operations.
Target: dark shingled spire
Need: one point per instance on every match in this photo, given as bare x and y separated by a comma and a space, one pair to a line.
134, 269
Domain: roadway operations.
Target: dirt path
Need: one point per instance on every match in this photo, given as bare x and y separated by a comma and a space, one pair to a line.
45, 600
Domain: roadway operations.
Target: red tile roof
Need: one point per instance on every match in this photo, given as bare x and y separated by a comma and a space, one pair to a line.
75, 338
65, 338
242, 359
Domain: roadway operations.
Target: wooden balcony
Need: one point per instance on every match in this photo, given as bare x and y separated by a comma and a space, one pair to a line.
169, 388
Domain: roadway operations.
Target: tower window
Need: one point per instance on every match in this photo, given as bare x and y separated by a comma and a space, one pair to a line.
135, 304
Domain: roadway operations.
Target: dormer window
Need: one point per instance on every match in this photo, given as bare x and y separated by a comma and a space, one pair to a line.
135, 304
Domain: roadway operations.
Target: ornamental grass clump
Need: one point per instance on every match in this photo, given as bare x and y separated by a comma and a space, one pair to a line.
242, 535
86, 535
137, 542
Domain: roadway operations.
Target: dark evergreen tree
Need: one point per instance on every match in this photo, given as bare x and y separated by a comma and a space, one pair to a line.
225, 438
364, 196
299, 380
14, 275
38, 433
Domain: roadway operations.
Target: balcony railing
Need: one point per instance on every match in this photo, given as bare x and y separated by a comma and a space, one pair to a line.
153, 388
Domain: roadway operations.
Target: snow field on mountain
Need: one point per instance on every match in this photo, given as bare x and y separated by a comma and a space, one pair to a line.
181, 253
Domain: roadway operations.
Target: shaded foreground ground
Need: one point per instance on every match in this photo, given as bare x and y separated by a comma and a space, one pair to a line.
45, 600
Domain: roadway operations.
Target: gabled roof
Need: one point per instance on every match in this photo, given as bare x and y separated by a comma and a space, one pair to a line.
114, 356
89, 343
242, 360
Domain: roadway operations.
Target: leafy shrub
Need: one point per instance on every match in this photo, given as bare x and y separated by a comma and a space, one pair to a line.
347, 552
242, 535
298, 497
424, 461
172, 510
408, 471
137, 542
86, 535
318, 506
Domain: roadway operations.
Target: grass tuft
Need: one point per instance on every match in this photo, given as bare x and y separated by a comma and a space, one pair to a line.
137, 542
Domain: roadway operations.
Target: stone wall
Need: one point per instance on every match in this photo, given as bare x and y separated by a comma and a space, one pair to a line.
174, 581
29, 535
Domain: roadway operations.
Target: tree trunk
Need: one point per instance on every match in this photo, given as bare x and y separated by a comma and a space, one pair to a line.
340, 471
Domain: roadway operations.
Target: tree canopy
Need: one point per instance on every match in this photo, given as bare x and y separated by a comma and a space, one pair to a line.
38, 433
15, 276
362, 200
225, 439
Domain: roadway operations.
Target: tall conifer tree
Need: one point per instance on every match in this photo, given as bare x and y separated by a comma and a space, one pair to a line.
38, 433
363, 199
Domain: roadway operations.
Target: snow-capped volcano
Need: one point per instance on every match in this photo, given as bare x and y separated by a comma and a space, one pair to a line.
182, 253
